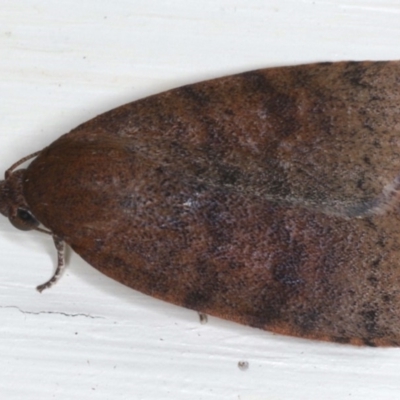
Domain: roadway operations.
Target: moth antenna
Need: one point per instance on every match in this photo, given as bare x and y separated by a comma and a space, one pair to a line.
21, 161
43, 231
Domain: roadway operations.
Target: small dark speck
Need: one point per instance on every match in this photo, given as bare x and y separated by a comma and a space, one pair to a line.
243, 365
367, 160
203, 318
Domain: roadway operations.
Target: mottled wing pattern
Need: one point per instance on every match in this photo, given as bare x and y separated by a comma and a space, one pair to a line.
269, 198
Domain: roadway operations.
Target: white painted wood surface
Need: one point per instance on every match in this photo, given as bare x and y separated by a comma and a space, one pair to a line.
63, 62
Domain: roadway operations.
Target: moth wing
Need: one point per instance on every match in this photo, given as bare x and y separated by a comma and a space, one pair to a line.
267, 198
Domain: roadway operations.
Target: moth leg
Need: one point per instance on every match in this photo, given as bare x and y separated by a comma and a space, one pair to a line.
203, 318
60, 247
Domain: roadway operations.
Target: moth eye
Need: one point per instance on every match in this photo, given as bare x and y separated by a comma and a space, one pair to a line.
24, 220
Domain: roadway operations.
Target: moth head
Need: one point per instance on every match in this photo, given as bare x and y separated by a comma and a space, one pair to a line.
13, 204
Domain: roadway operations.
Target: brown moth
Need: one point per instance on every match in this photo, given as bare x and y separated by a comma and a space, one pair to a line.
269, 198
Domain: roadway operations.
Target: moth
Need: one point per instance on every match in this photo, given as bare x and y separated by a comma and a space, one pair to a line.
269, 198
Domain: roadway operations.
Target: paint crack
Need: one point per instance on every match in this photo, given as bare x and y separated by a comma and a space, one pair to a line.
53, 312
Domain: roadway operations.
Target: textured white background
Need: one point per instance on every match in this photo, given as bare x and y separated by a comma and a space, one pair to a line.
63, 62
